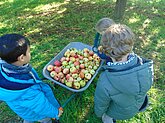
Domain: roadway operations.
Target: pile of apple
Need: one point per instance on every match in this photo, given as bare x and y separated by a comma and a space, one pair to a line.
75, 68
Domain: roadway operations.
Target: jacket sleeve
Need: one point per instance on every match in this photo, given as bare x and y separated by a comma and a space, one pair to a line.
38, 102
101, 99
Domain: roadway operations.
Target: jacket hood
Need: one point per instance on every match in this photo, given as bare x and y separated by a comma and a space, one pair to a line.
131, 77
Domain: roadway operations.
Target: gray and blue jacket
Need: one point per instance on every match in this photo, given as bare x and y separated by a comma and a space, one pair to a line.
122, 88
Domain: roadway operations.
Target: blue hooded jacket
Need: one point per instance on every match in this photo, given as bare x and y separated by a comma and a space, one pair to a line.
26, 94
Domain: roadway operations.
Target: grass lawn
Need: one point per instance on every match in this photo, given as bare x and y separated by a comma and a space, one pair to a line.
52, 24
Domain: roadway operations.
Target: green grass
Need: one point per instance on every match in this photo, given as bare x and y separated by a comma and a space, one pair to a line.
52, 24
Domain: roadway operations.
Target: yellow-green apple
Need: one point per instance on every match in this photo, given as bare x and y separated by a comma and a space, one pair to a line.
95, 67
92, 71
50, 67
78, 79
90, 67
86, 50
76, 85
85, 54
82, 83
90, 58
73, 70
65, 70
88, 76
73, 59
70, 62
85, 59
61, 75
69, 84
67, 59
72, 53
64, 63
95, 55
62, 80
67, 53
53, 73
74, 75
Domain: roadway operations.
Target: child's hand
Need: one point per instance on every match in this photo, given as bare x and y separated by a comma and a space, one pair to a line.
60, 111
100, 48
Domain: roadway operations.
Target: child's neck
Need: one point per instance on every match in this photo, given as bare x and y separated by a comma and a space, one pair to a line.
17, 63
123, 59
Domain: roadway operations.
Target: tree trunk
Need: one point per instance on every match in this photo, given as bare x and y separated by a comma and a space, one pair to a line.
119, 9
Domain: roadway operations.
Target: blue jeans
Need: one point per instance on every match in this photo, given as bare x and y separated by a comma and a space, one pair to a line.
46, 120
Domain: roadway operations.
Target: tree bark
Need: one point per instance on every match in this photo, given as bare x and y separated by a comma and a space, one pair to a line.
119, 9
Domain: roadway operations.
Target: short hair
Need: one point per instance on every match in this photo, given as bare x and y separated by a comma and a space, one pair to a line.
117, 41
12, 46
103, 24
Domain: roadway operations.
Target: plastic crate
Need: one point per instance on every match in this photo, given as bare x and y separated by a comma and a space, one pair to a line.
79, 46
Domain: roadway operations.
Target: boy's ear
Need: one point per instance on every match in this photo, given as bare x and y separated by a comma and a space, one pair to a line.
20, 58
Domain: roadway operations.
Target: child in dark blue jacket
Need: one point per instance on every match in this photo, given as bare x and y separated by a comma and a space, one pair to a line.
20, 85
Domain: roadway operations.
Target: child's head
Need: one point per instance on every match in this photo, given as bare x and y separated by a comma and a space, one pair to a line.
117, 41
103, 24
14, 48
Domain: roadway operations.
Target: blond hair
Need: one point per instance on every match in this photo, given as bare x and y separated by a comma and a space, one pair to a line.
117, 41
103, 24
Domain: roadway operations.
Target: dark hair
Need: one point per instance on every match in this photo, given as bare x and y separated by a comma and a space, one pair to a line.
12, 46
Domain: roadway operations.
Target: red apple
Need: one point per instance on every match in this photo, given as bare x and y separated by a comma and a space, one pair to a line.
76, 56
91, 53
76, 63
81, 74
50, 67
67, 76
82, 66
58, 69
81, 57
57, 63
62, 59
56, 77
70, 79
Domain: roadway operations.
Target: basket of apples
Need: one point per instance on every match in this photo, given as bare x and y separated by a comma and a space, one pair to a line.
74, 68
